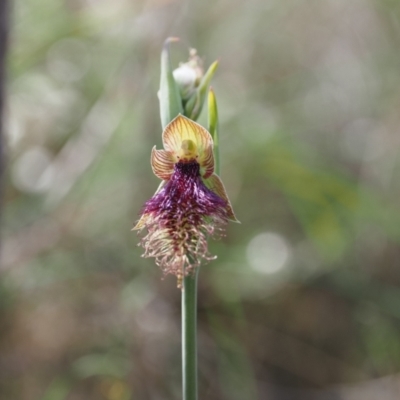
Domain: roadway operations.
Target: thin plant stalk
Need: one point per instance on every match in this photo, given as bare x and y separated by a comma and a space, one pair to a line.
189, 288
171, 106
189, 337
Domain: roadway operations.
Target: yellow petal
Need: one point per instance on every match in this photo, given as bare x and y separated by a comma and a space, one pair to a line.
206, 162
187, 140
215, 184
162, 163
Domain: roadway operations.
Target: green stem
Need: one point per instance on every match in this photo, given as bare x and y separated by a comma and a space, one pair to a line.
189, 292
189, 337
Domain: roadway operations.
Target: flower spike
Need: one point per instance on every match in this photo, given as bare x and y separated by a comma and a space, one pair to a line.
190, 205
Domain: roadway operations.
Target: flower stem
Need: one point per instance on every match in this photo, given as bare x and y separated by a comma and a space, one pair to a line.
189, 337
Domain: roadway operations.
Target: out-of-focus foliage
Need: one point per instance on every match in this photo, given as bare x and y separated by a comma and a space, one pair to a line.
304, 299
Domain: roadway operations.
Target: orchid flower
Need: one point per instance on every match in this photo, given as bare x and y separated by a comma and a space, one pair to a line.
191, 203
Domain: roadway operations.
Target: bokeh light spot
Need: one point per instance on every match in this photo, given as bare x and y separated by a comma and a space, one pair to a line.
268, 253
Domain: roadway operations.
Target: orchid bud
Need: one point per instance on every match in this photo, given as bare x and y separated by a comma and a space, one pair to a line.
188, 75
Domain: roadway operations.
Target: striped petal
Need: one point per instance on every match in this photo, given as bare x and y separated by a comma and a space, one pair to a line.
162, 163
186, 139
215, 184
206, 161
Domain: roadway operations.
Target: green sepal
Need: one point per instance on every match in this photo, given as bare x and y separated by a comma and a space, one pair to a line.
190, 104
195, 103
169, 96
213, 126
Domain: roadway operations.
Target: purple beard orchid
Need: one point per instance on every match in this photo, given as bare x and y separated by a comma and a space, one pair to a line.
190, 204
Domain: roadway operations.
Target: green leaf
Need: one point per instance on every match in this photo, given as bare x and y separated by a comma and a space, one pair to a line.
169, 96
195, 103
191, 103
101, 364
213, 126
58, 389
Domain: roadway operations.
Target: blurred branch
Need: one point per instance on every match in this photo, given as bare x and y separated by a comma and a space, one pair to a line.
4, 17
79, 153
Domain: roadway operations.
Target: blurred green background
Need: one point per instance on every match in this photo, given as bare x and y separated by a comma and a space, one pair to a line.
304, 299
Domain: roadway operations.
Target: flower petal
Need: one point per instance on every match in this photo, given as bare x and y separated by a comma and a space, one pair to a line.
182, 131
145, 218
215, 184
206, 161
162, 163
